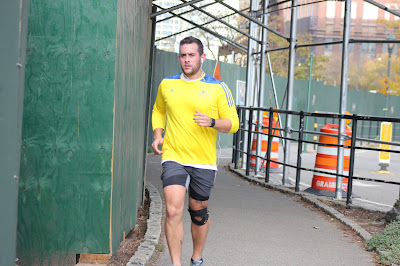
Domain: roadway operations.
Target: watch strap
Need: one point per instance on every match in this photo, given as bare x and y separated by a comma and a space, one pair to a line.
212, 122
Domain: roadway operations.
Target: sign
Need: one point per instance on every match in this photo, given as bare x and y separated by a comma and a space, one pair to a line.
386, 135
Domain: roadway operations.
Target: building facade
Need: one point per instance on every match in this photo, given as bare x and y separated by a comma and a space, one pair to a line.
324, 22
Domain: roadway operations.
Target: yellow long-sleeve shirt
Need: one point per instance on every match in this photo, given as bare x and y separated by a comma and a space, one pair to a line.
177, 101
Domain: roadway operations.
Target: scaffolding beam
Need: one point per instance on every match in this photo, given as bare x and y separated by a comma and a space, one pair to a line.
211, 21
233, 43
343, 98
289, 102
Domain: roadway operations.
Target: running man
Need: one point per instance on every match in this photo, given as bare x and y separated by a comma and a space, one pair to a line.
190, 108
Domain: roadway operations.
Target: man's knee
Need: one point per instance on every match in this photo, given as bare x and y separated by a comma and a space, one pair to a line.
199, 217
174, 213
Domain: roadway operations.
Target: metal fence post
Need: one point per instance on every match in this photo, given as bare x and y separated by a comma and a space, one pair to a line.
250, 127
260, 126
242, 140
362, 131
351, 163
270, 136
236, 142
394, 132
369, 130
299, 150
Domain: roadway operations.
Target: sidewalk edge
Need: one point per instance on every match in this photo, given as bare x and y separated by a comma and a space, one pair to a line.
148, 245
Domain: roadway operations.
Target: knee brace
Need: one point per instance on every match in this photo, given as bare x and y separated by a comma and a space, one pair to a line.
203, 214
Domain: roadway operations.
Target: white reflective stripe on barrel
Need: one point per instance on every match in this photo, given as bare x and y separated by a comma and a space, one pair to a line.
331, 150
329, 171
265, 138
263, 154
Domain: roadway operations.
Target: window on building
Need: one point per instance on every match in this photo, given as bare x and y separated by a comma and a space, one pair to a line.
351, 46
330, 9
387, 14
370, 12
353, 10
328, 46
372, 47
300, 14
368, 47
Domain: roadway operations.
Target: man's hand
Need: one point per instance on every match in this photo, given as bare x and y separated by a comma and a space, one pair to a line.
221, 125
158, 140
155, 144
202, 119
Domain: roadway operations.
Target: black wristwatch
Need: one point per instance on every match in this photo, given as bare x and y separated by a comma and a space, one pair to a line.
212, 122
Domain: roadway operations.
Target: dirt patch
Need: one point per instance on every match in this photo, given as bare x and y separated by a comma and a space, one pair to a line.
134, 238
372, 221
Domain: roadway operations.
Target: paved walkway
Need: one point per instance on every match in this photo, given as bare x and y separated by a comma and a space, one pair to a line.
251, 225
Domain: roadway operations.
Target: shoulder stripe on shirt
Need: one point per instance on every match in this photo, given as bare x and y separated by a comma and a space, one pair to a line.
176, 76
228, 94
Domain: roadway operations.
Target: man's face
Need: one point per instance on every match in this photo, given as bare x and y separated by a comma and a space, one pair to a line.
190, 60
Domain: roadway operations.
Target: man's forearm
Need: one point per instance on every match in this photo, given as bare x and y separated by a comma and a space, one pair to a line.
158, 133
223, 125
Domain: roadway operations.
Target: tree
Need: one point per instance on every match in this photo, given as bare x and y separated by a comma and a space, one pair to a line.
374, 75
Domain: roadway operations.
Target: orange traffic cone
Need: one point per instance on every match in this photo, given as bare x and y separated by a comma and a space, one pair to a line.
326, 160
274, 167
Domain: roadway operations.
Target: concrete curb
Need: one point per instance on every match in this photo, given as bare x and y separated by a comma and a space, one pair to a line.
152, 236
310, 199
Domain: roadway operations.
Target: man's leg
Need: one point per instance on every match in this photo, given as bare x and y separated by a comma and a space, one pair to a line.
199, 232
175, 200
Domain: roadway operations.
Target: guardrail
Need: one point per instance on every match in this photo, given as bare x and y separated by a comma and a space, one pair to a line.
247, 124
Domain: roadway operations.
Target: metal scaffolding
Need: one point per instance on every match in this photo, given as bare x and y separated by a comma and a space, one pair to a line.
258, 55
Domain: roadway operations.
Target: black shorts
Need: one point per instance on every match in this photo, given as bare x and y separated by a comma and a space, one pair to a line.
199, 182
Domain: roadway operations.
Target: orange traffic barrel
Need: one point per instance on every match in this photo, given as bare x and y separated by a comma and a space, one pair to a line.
326, 159
274, 167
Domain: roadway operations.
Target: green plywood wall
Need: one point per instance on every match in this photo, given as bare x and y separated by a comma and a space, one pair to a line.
79, 69
131, 90
13, 24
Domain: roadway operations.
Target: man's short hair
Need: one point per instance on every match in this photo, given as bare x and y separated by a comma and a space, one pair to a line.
191, 39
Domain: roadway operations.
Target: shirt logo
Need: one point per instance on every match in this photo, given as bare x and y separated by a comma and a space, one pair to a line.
202, 93
172, 90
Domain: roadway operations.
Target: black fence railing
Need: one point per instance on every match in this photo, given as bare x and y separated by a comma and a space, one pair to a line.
365, 129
